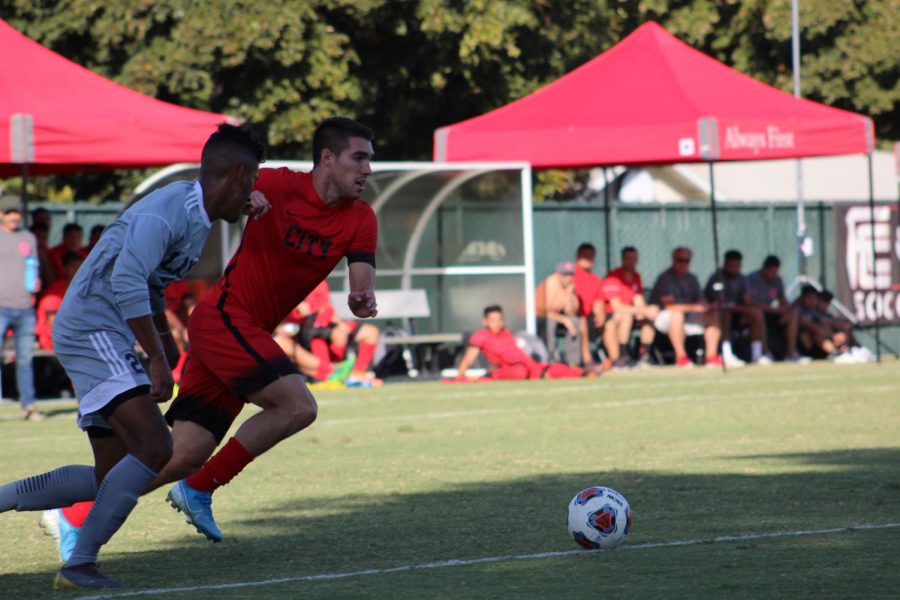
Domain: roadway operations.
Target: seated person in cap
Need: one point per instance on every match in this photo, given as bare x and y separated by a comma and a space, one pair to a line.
738, 309
507, 359
624, 293
555, 300
684, 311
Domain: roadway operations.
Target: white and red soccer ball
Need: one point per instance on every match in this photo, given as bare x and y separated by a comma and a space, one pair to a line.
599, 518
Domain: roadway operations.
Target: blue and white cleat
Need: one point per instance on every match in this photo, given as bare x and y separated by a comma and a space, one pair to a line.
84, 577
54, 524
197, 509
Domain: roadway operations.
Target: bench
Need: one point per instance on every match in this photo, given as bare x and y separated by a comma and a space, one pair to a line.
406, 305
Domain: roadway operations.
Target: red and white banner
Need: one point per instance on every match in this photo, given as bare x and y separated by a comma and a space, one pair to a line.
868, 282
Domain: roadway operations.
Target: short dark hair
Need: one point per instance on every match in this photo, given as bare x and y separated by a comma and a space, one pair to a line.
733, 255
70, 257
826, 296
492, 308
334, 134
39, 211
771, 261
808, 289
585, 246
12, 210
229, 145
97, 229
70, 227
628, 249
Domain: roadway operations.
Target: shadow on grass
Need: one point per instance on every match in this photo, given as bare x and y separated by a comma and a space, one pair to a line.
306, 536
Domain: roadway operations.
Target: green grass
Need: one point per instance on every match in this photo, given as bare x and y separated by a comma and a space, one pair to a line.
411, 474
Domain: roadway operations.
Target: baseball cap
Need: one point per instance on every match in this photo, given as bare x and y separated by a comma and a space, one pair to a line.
566, 268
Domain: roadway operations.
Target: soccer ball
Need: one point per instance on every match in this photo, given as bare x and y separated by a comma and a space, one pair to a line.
599, 517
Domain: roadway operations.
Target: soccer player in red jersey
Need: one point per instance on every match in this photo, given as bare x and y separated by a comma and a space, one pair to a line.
508, 360
316, 220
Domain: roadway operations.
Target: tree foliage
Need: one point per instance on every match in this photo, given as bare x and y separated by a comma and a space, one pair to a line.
407, 67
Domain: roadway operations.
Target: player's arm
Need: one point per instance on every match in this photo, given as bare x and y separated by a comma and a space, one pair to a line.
145, 245
362, 290
467, 361
169, 346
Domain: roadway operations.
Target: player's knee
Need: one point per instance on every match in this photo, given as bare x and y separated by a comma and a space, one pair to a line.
303, 411
155, 452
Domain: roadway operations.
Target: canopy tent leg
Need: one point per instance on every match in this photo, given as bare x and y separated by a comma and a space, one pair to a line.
606, 223
874, 255
715, 232
26, 215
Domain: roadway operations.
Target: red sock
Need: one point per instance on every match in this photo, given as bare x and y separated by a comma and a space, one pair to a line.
364, 353
77, 513
319, 349
221, 468
338, 352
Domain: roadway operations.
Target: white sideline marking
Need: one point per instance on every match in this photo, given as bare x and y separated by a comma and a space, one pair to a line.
648, 400
491, 559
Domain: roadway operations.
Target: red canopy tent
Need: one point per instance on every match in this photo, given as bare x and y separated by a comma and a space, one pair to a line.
58, 117
652, 99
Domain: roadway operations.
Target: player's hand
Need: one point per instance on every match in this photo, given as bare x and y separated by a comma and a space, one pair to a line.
362, 304
161, 382
257, 205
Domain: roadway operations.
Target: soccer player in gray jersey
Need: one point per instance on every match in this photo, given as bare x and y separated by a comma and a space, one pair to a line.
115, 299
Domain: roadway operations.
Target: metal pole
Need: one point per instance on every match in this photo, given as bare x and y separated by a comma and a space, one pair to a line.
798, 164
874, 257
606, 220
26, 216
715, 231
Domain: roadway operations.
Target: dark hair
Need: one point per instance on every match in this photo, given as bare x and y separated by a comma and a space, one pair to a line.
231, 144
12, 210
771, 261
70, 257
35, 227
585, 246
70, 227
97, 229
335, 133
492, 308
826, 296
808, 289
733, 255
628, 249
39, 211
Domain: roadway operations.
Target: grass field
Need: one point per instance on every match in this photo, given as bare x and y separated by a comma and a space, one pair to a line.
391, 487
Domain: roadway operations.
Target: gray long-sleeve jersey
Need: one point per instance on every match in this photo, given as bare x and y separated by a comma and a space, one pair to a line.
152, 244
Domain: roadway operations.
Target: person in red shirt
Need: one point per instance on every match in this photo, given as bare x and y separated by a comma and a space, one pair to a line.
326, 336
72, 241
51, 300
591, 302
626, 308
315, 220
508, 361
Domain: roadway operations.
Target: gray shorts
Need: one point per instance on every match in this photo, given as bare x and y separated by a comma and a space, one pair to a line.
102, 365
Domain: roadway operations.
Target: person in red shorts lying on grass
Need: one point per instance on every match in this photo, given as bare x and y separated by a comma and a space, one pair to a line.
508, 361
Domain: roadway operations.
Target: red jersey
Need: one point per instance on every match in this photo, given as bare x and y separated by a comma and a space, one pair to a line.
319, 301
588, 289
616, 286
500, 348
47, 308
287, 253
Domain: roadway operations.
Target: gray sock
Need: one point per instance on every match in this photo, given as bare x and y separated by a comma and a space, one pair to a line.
62, 487
117, 496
